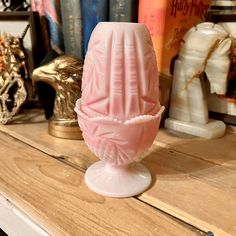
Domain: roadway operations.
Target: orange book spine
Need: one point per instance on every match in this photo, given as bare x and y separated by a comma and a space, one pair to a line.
168, 21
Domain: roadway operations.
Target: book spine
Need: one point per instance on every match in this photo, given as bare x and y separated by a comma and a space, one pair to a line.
167, 22
123, 10
93, 11
72, 27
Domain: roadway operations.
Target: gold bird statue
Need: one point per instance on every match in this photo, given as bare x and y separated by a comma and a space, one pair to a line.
64, 75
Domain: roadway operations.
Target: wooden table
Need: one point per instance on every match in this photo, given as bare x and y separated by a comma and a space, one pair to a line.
42, 190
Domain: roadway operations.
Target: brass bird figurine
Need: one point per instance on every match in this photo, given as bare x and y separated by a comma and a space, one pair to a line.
64, 75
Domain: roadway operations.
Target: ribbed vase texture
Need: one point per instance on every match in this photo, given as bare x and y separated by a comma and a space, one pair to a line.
119, 110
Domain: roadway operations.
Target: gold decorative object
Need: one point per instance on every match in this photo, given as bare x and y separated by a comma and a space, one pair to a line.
64, 74
12, 73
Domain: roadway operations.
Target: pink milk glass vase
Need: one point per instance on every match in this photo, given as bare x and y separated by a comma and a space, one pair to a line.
119, 111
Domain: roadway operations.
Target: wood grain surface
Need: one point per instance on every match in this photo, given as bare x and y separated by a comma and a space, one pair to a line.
195, 191
193, 179
54, 195
221, 151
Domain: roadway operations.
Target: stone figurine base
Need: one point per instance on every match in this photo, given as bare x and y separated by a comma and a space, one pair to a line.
67, 129
118, 182
213, 129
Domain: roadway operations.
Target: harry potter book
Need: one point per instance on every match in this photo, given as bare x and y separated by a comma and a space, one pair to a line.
168, 21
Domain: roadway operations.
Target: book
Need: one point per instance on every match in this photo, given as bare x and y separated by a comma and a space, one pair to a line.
168, 21
93, 11
123, 10
72, 27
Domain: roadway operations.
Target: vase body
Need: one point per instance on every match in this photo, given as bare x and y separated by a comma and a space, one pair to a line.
119, 110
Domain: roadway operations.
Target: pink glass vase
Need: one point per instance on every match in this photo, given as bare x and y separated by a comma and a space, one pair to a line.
119, 110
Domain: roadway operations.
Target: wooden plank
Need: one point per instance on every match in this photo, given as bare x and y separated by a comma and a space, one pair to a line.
198, 192
221, 151
54, 195
201, 187
31, 127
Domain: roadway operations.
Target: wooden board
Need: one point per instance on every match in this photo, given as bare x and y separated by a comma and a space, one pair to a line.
54, 196
193, 182
221, 151
31, 127
200, 193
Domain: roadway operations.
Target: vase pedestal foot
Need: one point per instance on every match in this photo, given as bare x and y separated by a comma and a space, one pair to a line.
117, 181
213, 129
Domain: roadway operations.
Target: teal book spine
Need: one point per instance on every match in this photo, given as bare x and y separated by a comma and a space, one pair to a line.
72, 27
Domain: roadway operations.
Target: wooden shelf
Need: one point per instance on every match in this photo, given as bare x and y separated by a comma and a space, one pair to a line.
193, 189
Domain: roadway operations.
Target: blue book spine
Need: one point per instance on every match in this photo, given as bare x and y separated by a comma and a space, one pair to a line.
72, 27
93, 11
